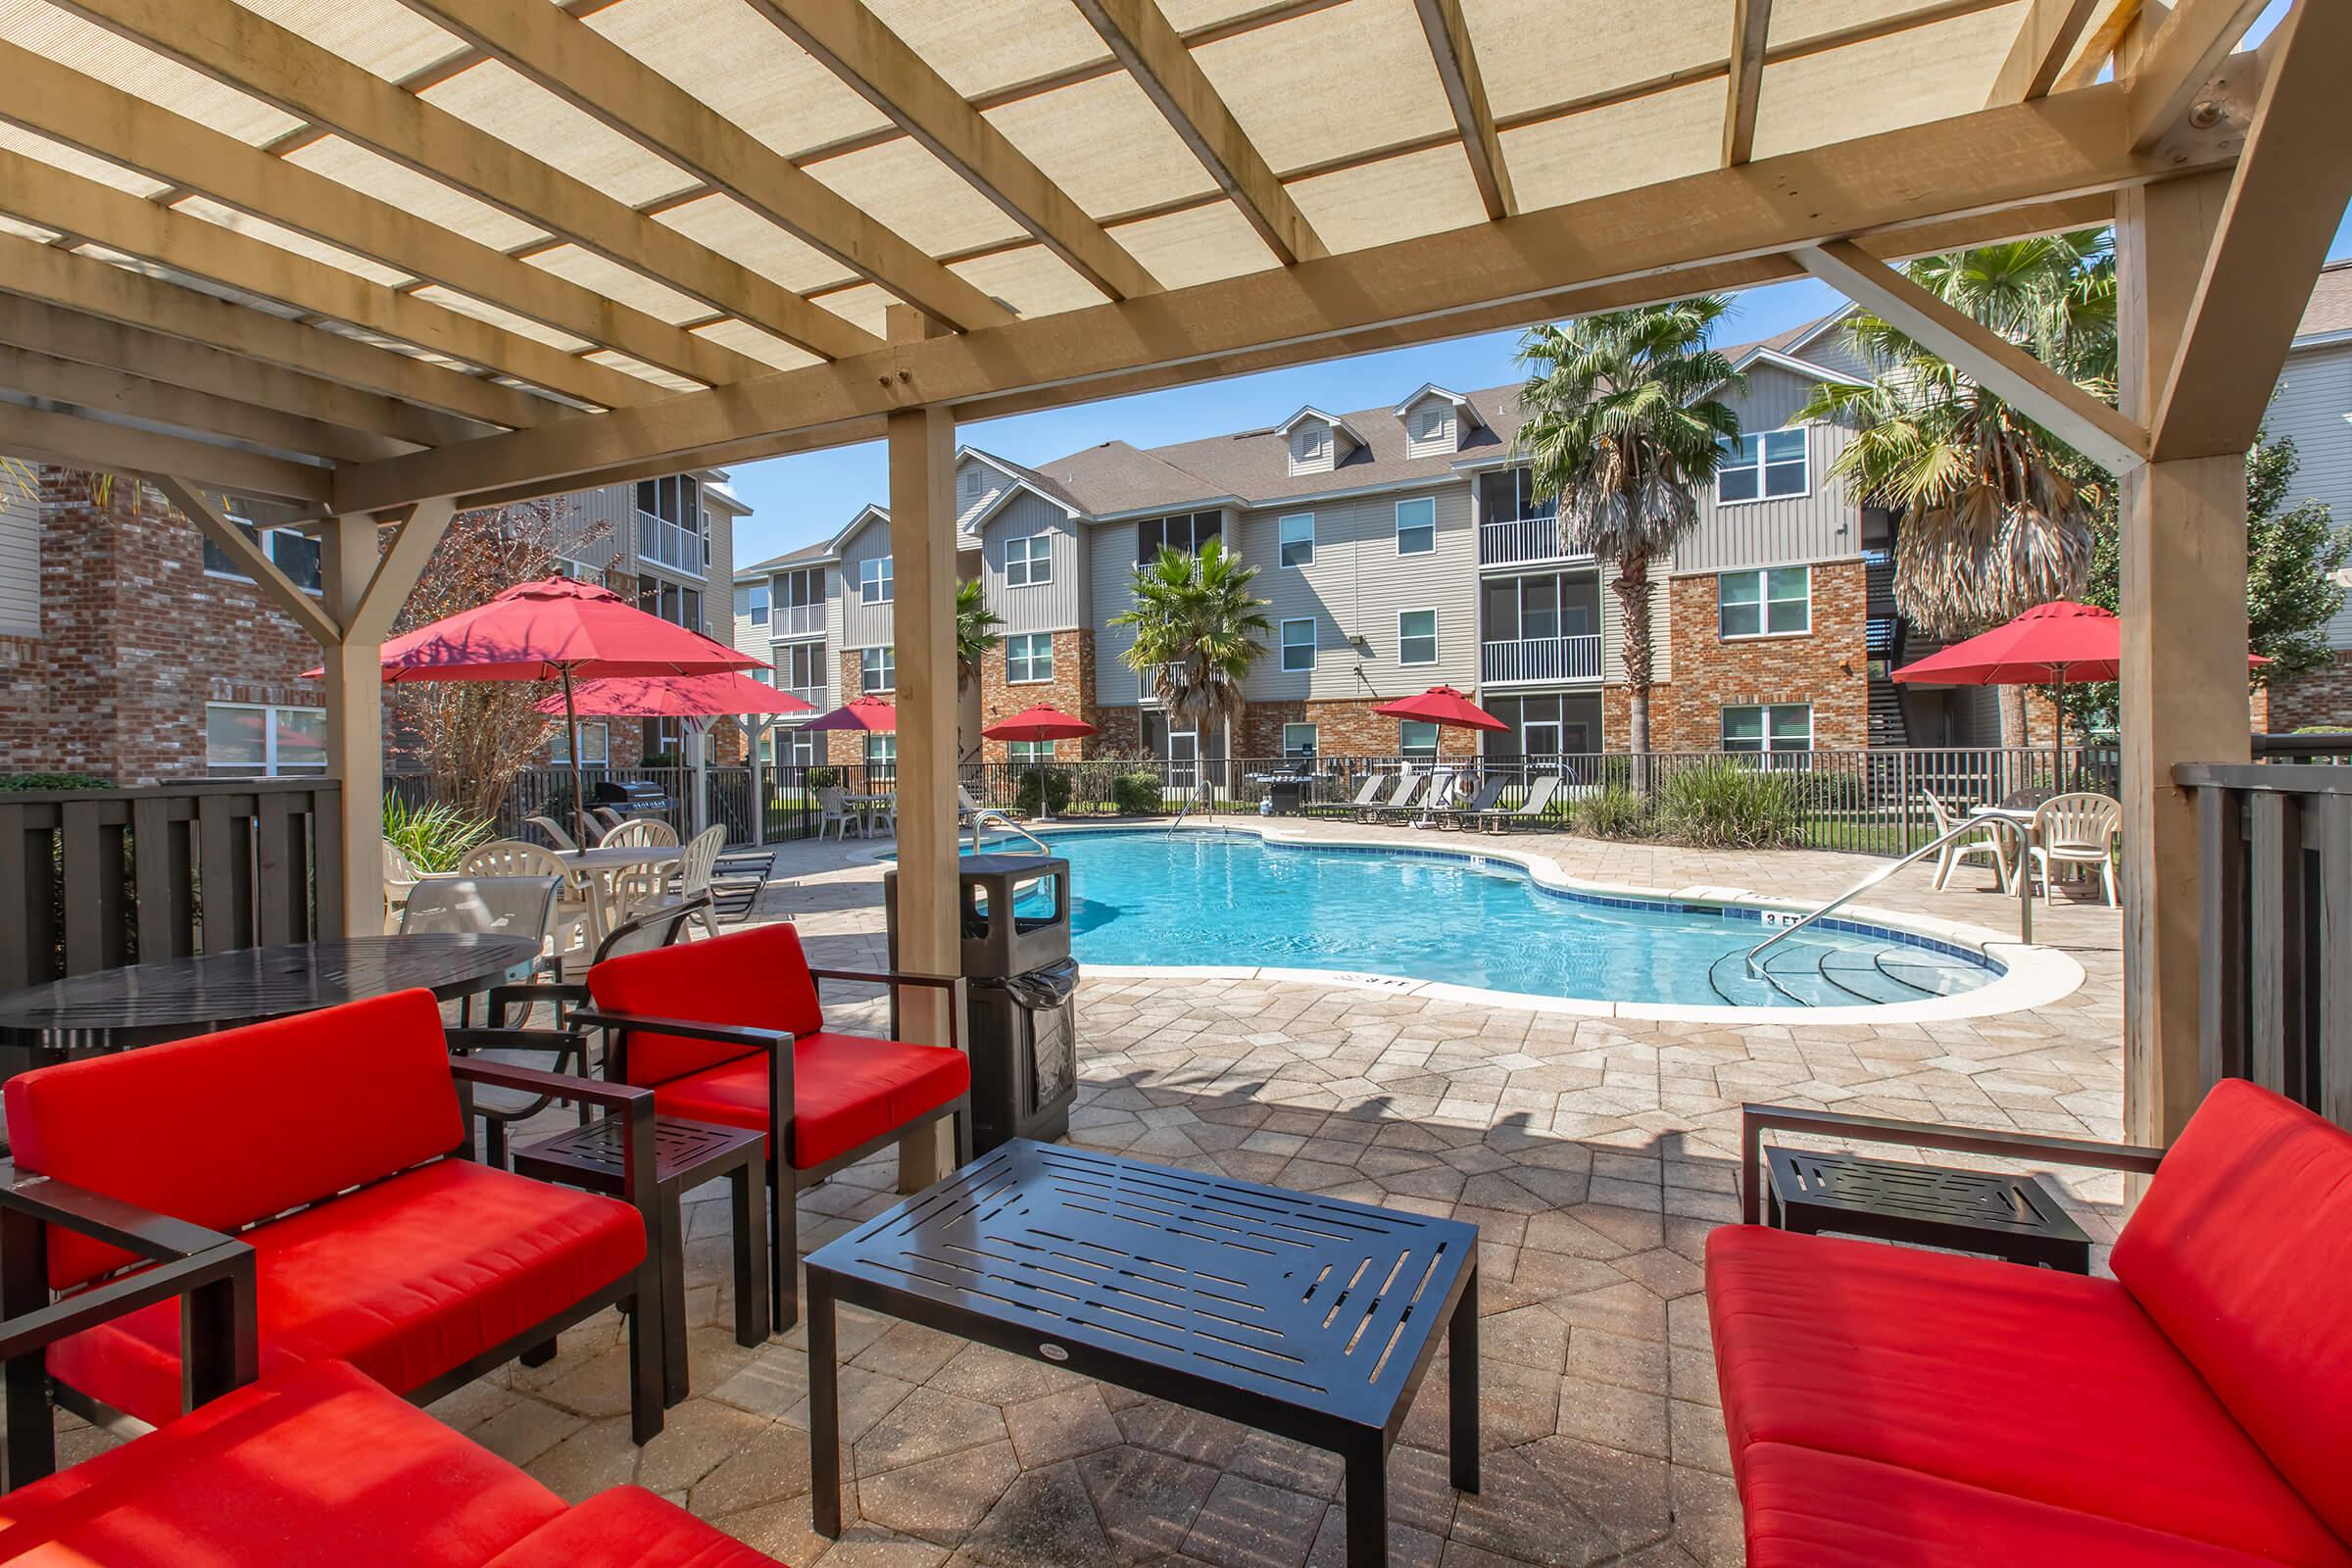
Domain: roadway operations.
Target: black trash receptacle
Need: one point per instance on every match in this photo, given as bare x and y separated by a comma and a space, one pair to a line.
1022, 1037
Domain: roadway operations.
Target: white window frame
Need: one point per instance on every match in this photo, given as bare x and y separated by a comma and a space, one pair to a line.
1764, 600
1028, 754
271, 766
263, 540
1037, 566
1753, 454
1407, 747
1430, 527
884, 658
760, 605
596, 745
877, 583
1283, 543
1401, 635
1294, 748
1314, 635
881, 749
1030, 644
1768, 743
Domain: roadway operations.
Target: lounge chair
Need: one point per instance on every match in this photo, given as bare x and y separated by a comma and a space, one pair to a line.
1364, 796
1531, 810
1410, 801
1409, 784
1489, 790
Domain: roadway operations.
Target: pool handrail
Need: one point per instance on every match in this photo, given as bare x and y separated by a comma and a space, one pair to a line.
987, 813
1975, 824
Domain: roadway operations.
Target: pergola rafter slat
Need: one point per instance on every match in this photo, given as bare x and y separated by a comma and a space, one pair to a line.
2186, 50
2044, 39
1752, 31
1467, 94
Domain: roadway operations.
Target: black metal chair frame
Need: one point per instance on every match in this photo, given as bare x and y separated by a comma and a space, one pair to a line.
213, 1273
1756, 1121
786, 1180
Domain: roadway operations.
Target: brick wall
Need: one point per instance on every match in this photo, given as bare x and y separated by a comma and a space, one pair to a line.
1071, 690
1120, 732
2323, 697
1826, 668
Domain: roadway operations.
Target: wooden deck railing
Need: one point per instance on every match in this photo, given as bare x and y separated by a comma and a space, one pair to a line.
2275, 873
91, 879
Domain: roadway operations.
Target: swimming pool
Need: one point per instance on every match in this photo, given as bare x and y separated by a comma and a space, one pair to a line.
1219, 899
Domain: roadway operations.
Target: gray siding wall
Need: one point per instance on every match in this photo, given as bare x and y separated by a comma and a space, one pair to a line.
977, 485
1834, 351
598, 526
1112, 548
1355, 586
1058, 605
2315, 394
19, 558
1822, 525
719, 523
863, 626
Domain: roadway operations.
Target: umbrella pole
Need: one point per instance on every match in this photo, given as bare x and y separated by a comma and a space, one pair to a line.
580, 793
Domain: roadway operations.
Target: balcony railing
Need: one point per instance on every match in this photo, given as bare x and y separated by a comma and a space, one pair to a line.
1541, 659
797, 621
817, 697
668, 544
1526, 542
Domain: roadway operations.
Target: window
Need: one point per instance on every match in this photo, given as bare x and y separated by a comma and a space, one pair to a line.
759, 603
802, 667
877, 670
1310, 445
1023, 753
1417, 526
1028, 657
968, 486
579, 570
669, 523
1508, 494
297, 555
1774, 602
674, 603
874, 585
1298, 643
881, 750
1416, 637
1185, 535
1297, 546
596, 746
245, 740
1774, 727
1029, 562
1762, 467
800, 603
1417, 739
1429, 420
1298, 740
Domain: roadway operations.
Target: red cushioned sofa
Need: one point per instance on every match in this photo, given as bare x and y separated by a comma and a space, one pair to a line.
300, 1191
1897, 1408
731, 1030
319, 1468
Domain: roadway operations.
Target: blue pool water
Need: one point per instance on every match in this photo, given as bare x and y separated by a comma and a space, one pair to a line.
1215, 898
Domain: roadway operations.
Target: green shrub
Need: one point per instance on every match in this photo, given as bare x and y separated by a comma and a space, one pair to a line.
820, 778
52, 781
1135, 793
1725, 805
434, 837
1616, 811
1050, 784
1832, 790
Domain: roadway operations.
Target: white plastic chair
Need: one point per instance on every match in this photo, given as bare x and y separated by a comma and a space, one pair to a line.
641, 833
554, 833
2077, 830
399, 876
694, 873
515, 857
1988, 846
833, 808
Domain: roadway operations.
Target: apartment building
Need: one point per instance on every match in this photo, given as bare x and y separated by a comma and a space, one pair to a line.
2314, 407
132, 650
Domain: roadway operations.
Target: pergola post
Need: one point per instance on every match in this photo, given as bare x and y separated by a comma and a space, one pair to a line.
354, 721
2183, 676
922, 545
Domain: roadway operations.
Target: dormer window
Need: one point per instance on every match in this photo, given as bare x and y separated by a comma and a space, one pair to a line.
968, 486
1310, 448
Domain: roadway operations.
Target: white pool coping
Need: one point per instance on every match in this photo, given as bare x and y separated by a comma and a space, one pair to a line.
2029, 975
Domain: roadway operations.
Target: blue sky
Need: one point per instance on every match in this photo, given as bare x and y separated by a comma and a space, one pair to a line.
806, 497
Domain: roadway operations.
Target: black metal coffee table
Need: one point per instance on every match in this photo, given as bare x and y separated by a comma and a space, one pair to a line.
1303, 1316
2013, 1217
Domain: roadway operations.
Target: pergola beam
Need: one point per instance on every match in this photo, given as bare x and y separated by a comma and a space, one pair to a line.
73, 442
236, 46
86, 285
83, 111
2060, 146
1466, 93
2045, 38
1751, 29
2085, 422
242, 548
2179, 60
2285, 199
605, 82
397, 568
50, 196
126, 394
1139, 37
857, 46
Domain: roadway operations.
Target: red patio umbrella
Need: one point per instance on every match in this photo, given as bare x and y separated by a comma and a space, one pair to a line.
1040, 723
1443, 704
870, 714
679, 697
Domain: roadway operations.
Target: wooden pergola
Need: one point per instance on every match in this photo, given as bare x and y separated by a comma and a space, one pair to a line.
368, 261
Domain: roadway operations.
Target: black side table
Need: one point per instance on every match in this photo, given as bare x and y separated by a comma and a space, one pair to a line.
2012, 1217
686, 1154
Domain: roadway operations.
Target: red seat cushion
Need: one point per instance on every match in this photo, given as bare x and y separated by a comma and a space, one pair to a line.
847, 1090
757, 977
2241, 1252
224, 1129
405, 1280
315, 1466
628, 1527
1809, 1509
2049, 1386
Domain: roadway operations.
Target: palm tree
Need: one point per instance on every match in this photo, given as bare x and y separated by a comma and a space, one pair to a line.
976, 634
1997, 512
1196, 632
1621, 432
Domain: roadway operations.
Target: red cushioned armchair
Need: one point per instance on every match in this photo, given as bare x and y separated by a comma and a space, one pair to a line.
731, 1030
293, 1192
1891, 1407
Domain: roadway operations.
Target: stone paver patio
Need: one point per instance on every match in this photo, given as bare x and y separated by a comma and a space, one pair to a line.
1594, 1156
